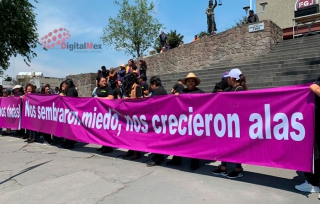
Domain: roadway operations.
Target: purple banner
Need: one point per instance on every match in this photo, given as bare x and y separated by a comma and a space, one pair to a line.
270, 127
10, 109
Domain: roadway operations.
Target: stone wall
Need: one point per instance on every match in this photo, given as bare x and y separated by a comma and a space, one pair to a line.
232, 44
85, 83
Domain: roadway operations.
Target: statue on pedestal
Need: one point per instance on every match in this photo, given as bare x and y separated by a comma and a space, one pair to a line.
210, 16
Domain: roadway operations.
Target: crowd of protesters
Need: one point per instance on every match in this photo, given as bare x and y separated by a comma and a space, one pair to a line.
67, 88
130, 81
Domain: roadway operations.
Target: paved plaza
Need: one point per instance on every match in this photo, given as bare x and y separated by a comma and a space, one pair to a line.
37, 173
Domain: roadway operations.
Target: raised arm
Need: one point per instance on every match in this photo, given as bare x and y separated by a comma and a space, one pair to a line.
315, 89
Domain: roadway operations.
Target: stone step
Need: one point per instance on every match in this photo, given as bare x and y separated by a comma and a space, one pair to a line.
268, 60
252, 77
295, 67
299, 40
296, 44
275, 58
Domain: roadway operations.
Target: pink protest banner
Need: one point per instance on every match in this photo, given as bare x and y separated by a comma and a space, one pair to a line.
10, 109
270, 127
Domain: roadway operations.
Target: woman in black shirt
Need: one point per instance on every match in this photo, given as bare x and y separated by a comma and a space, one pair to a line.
132, 90
68, 89
143, 68
104, 92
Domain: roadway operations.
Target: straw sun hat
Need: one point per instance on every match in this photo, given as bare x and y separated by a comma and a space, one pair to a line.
191, 76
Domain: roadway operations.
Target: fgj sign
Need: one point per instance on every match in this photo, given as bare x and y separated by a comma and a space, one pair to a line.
304, 3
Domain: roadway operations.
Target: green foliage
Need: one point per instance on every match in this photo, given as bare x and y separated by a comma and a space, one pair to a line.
241, 22
7, 78
202, 34
157, 45
133, 29
18, 33
173, 38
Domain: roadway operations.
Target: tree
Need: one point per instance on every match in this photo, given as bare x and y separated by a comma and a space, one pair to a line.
202, 34
241, 22
23, 81
172, 37
18, 31
134, 29
7, 78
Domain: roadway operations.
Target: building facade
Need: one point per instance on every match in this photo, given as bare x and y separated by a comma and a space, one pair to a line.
38, 79
281, 12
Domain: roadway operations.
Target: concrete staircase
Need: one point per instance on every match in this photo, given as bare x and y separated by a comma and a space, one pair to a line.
293, 61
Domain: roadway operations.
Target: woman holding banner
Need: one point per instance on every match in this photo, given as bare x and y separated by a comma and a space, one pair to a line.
236, 82
157, 90
32, 134
68, 89
311, 185
104, 92
132, 90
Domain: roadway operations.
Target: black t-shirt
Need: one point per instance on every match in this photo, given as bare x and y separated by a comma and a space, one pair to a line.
236, 88
144, 86
187, 91
143, 70
116, 93
159, 91
139, 93
72, 92
178, 87
104, 92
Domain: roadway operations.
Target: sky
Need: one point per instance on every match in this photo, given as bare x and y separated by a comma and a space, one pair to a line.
86, 19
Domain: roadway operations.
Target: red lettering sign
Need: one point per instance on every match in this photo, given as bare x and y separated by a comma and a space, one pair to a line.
304, 3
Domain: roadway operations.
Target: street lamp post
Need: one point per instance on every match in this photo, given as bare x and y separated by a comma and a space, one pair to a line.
246, 8
263, 4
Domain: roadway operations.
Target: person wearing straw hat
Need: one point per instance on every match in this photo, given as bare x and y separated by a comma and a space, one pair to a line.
191, 82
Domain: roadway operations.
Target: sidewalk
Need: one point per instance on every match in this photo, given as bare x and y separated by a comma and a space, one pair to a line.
36, 173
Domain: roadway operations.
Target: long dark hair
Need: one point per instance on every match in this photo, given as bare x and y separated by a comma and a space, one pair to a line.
33, 88
243, 81
133, 66
129, 79
43, 89
156, 81
143, 63
69, 83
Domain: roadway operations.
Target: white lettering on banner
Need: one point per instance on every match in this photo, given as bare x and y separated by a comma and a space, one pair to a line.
135, 123
3, 112
280, 130
263, 125
30, 110
13, 112
94, 120
297, 126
